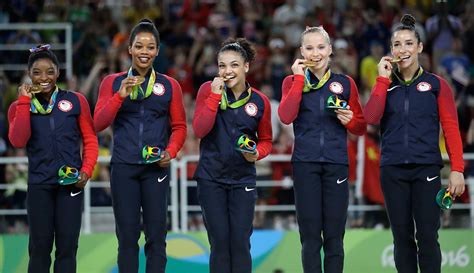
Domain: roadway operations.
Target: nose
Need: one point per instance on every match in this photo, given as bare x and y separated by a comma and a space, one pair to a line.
43, 76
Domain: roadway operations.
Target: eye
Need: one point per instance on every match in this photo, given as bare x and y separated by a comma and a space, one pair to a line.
235, 65
221, 66
321, 47
138, 46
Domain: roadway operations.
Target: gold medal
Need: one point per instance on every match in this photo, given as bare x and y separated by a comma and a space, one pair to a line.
35, 89
309, 63
140, 80
395, 60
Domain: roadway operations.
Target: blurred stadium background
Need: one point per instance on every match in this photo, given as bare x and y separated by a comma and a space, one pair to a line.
90, 38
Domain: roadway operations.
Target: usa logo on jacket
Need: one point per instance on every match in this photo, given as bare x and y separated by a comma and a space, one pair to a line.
423, 87
251, 109
65, 105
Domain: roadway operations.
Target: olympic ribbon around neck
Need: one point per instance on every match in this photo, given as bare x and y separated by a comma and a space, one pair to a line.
137, 90
236, 104
308, 86
420, 71
36, 107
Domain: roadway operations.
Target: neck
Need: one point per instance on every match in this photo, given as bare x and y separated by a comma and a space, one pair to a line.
238, 90
409, 72
318, 73
142, 71
47, 95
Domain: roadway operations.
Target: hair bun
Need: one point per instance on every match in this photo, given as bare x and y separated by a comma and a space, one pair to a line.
146, 20
408, 20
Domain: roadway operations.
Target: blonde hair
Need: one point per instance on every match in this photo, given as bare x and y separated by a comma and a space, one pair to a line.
319, 30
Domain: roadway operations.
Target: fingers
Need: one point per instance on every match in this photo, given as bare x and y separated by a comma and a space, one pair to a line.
82, 181
344, 115
250, 157
298, 67
165, 160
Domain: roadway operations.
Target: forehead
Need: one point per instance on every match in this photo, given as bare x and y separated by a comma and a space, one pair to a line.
230, 56
403, 34
144, 37
313, 38
43, 63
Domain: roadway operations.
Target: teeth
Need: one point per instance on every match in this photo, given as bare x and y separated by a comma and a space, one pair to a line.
44, 84
143, 59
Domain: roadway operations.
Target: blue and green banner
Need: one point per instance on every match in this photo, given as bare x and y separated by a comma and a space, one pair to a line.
366, 251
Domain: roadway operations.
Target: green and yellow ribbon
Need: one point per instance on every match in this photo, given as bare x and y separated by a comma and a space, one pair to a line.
308, 86
36, 107
137, 90
236, 104
420, 71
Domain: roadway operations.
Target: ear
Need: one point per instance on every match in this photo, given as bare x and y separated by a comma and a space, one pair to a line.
420, 47
130, 50
246, 67
330, 49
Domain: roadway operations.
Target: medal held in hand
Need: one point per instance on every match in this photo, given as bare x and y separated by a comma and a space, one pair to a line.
151, 154
246, 145
68, 175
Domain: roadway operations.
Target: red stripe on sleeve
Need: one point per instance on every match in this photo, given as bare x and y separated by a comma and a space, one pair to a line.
373, 110
449, 122
357, 124
207, 104
107, 104
177, 120
264, 131
90, 149
19, 131
292, 93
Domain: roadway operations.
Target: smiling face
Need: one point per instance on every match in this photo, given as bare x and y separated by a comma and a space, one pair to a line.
315, 47
232, 67
143, 50
45, 73
406, 47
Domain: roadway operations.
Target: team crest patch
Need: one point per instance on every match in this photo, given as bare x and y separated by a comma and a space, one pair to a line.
336, 87
251, 109
158, 89
65, 105
423, 87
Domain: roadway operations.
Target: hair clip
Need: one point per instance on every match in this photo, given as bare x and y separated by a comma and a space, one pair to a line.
40, 48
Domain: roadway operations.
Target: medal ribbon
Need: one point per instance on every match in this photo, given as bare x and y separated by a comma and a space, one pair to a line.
137, 90
36, 107
420, 71
308, 86
236, 104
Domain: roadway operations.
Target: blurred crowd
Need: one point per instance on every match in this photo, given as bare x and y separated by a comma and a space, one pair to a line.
191, 32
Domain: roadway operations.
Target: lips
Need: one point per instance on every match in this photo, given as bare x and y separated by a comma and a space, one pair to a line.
144, 59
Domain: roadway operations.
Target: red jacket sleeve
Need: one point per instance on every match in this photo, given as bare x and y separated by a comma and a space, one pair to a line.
449, 122
292, 93
207, 104
107, 104
177, 120
264, 131
89, 137
19, 119
357, 124
375, 107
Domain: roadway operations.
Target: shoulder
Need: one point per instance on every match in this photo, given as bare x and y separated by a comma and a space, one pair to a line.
205, 86
261, 96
